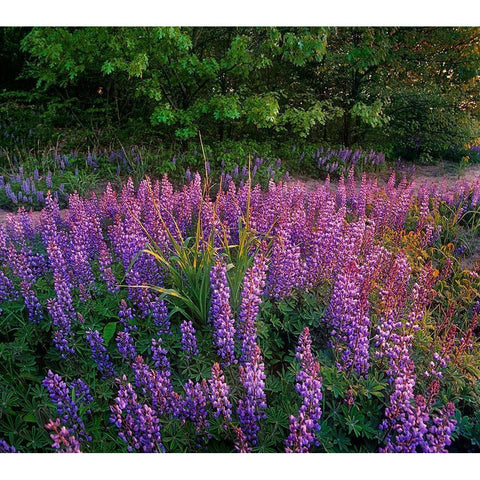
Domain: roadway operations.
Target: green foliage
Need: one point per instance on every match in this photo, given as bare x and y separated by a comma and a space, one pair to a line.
406, 91
427, 124
184, 78
189, 262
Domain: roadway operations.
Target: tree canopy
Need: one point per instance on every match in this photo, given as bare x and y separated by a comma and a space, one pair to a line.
410, 91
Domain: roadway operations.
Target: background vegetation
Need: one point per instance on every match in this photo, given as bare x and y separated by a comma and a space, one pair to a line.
409, 92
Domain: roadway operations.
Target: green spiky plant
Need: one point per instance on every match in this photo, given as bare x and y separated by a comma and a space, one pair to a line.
189, 260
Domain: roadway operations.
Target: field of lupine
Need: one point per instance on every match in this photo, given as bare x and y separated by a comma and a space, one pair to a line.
223, 318
28, 177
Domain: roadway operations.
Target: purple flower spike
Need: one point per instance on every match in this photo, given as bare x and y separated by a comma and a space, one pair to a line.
195, 407
253, 286
126, 346
219, 395
347, 315
139, 426
99, 353
309, 386
189, 341
67, 408
125, 315
241, 443
251, 407
159, 312
6, 448
221, 314
439, 433
63, 440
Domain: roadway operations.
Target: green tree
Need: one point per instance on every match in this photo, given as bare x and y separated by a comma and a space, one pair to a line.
350, 78
433, 90
185, 79
409, 91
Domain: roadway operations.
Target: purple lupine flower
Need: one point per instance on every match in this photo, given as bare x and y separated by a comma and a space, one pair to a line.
157, 383
99, 353
406, 416
67, 408
309, 386
219, 395
421, 295
126, 346
286, 270
159, 356
438, 436
34, 307
7, 290
6, 448
442, 358
63, 440
138, 424
165, 400
230, 212
253, 285
62, 337
195, 408
27, 267
251, 407
143, 375
106, 272
128, 239
393, 297
125, 315
241, 443
60, 308
346, 315
82, 392
221, 314
159, 311
466, 341
12, 195
189, 341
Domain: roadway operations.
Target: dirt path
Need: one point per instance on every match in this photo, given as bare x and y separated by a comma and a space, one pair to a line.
447, 172
444, 172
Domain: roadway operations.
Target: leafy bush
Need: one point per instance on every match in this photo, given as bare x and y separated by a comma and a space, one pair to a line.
426, 125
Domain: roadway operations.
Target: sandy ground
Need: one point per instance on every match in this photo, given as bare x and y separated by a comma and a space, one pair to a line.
436, 174
446, 172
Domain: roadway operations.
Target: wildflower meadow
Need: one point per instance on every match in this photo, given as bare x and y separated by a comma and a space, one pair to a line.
222, 316
239, 239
